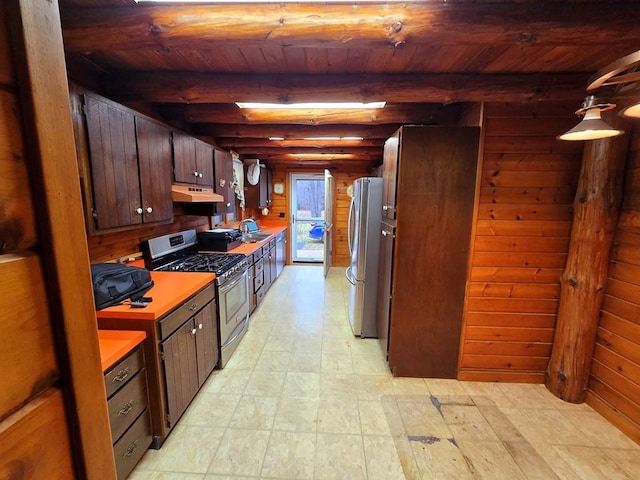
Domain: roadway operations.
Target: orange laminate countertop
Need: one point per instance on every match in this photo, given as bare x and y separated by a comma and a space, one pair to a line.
250, 248
115, 344
170, 290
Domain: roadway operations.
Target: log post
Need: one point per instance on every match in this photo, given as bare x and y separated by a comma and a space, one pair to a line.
596, 209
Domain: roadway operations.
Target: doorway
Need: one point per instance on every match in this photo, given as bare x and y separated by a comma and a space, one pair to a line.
307, 217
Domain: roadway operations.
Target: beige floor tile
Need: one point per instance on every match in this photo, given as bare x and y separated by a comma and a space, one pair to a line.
560, 404
339, 457
307, 345
339, 346
370, 365
149, 460
301, 384
271, 361
265, 383
599, 430
243, 360
526, 395
467, 422
210, 410
227, 477
290, 455
629, 460
489, 460
279, 343
442, 386
373, 420
440, 460
553, 458
297, 415
337, 415
501, 425
591, 463
256, 413
341, 385
304, 362
227, 381
486, 393
530, 462
540, 426
423, 420
372, 387
335, 363
409, 386
189, 449
241, 452
366, 346
382, 459
337, 331
167, 476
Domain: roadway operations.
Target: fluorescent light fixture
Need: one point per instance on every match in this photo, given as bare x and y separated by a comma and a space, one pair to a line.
333, 139
276, 139
592, 127
261, 1
310, 105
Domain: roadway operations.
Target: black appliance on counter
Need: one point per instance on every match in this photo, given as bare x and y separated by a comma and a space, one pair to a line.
183, 252
219, 239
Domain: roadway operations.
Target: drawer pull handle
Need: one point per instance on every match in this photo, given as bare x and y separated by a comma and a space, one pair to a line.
126, 408
193, 306
121, 376
131, 449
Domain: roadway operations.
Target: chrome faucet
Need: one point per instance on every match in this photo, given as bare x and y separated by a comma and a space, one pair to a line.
243, 224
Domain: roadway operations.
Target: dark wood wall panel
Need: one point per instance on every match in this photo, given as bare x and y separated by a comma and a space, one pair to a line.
614, 388
521, 235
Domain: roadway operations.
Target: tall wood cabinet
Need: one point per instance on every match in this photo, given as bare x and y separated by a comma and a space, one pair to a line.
223, 167
428, 194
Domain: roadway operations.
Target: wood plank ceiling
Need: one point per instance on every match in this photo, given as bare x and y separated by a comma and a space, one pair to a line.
189, 63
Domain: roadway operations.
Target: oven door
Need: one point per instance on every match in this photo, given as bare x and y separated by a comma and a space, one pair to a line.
233, 299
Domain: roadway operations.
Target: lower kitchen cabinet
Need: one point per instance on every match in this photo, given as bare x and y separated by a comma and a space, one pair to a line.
267, 264
181, 350
126, 387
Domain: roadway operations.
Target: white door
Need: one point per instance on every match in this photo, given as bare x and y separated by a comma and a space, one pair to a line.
307, 217
328, 221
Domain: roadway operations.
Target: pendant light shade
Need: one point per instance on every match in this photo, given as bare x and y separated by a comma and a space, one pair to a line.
592, 127
632, 111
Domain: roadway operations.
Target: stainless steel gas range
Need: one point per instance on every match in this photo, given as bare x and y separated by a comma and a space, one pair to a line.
180, 252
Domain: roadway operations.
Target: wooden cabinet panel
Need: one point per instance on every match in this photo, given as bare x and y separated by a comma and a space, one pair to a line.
385, 265
223, 182
184, 154
34, 442
127, 405
131, 447
259, 195
28, 363
154, 157
114, 164
204, 163
206, 341
181, 376
389, 176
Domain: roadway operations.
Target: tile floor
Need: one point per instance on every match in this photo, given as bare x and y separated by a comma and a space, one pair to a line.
303, 399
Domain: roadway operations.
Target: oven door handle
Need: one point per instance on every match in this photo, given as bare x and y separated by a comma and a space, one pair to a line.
226, 287
245, 324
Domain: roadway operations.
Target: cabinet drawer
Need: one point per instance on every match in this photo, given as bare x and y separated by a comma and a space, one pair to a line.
126, 405
265, 249
258, 281
123, 371
258, 267
171, 322
260, 293
129, 449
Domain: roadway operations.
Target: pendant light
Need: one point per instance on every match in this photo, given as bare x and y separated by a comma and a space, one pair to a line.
632, 111
592, 127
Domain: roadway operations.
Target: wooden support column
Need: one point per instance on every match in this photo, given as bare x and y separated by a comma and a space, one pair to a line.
596, 209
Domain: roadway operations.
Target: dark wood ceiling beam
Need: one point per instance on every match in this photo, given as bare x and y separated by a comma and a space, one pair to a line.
408, 113
244, 142
292, 132
334, 25
361, 152
191, 87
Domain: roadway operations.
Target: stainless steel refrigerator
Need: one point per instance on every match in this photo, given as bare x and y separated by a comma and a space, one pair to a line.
364, 243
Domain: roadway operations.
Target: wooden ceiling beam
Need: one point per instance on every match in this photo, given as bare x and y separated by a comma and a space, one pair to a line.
292, 132
361, 152
334, 25
432, 114
244, 142
192, 87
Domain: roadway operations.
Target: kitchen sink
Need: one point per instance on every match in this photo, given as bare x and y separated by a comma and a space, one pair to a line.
253, 237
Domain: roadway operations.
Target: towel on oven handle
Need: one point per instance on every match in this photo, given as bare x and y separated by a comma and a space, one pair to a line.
113, 283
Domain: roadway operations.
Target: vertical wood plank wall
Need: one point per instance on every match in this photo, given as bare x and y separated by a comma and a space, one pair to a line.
342, 179
521, 237
614, 388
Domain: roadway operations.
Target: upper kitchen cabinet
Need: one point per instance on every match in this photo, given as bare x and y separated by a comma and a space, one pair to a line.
192, 160
389, 176
224, 181
258, 195
130, 163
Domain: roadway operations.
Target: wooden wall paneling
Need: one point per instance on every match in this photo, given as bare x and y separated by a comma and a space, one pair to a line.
25, 321
34, 442
520, 240
614, 384
44, 95
7, 74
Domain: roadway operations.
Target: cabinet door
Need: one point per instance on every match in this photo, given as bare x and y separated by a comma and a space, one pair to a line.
154, 157
385, 270
280, 252
206, 323
389, 176
114, 164
180, 370
257, 196
204, 163
223, 181
273, 262
184, 158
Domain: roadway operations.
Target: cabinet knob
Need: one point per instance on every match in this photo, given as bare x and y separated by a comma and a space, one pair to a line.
199, 175
228, 204
384, 233
149, 209
385, 207
139, 210
194, 331
200, 326
195, 174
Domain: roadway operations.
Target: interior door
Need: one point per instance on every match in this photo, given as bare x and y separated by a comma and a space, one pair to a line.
328, 221
307, 217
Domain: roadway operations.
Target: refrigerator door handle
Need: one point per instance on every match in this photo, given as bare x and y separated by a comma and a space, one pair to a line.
349, 239
347, 273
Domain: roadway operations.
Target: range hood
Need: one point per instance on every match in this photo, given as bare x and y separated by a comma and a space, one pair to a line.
194, 194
